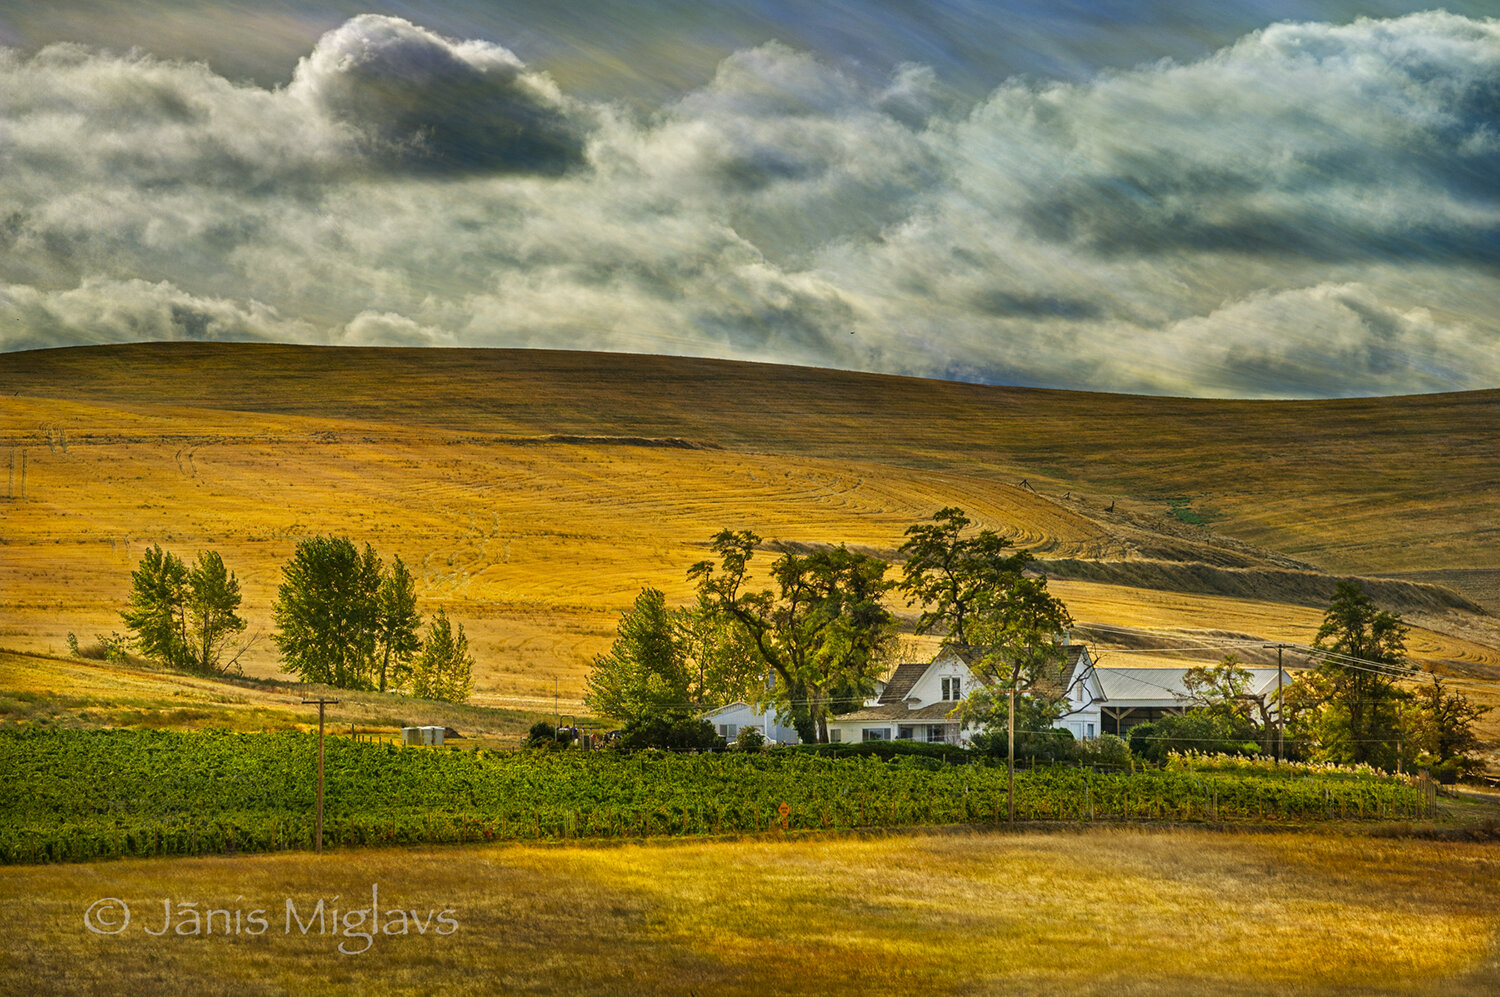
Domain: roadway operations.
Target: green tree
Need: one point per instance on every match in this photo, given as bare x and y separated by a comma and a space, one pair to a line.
1018, 633
1017, 639
645, 674
212, 602
183, 618
397, 622
822, 629
445, 669
953, 576
723, 663
1364, 654
157, 616
1438, 728
1223, 691
1035, 737
327, 612
1196, 730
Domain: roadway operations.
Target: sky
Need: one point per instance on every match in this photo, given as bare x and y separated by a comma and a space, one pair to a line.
1285, 198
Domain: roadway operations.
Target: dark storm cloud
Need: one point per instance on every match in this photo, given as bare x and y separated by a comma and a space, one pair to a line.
424, 102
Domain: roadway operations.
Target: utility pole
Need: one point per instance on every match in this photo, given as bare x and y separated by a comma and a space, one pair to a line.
1010, 755
318, 844
1280, 725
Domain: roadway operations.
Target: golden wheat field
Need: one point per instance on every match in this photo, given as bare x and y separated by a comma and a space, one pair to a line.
1101, 911
534, 493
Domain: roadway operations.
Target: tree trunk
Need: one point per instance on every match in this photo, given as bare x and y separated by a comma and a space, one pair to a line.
802, 718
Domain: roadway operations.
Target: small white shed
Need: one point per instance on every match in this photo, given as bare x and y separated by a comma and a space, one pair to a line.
729, 720
431, 736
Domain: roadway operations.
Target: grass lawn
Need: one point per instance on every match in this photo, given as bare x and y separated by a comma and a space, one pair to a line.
1097, 911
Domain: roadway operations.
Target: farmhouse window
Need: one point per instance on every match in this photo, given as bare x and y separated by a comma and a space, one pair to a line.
835, 735
877, 734
952, 688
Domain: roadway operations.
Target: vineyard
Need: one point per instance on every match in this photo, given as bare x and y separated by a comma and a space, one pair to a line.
77, 795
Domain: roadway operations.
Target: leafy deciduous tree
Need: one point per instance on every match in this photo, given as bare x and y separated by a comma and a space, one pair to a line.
954, 577
213, 602
1223, 691
397, 622
445, 669
1019, 635
327, 610
822, 630
723, 662
1359, 722
1438, 728
158, 607
645, 674
180, 617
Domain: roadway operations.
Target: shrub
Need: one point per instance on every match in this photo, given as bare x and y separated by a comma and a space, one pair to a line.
750, 739
886, 750
1194, 731
670, 734
544, 735
1106, 749
1052, 745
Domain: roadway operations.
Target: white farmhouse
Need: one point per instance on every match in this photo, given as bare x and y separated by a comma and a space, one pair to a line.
917, 701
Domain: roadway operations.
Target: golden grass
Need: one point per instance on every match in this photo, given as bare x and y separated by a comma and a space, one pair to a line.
1102, 911
535, 548
1355, 485
536, 545
71, 692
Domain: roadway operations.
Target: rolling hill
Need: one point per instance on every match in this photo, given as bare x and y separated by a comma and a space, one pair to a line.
534, 492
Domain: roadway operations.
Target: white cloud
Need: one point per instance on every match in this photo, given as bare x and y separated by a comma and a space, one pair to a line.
1315, 210
102, 311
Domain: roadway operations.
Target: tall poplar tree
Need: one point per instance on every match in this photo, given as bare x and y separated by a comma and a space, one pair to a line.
327, 612
397, 622
183, 618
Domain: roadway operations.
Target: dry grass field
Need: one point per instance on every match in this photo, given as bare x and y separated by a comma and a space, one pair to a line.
1365, 485
534, 493
1101, 911
69, 692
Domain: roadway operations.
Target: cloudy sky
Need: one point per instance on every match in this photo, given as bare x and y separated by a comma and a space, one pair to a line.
1286, 198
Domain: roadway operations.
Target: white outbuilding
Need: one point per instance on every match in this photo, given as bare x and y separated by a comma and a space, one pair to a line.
729, 720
